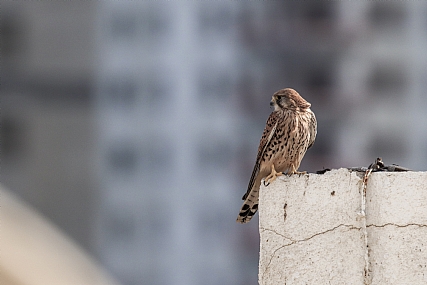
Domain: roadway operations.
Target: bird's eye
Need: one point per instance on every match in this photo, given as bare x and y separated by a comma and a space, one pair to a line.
279, 97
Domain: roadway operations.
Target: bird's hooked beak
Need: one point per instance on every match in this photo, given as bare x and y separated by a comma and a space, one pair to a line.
274, 104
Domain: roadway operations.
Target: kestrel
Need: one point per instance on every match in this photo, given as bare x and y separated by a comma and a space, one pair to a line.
290, 130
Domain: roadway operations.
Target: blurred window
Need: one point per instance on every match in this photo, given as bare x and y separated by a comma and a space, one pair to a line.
11, 137
155, 89
386, 145
123, 158
12, 34
319, 11
214, 152
157, 156
387, 14
121, 224
214, 85
123, 25
215, 19
312, 12
122, 91
388, 77
155, 23
319, 78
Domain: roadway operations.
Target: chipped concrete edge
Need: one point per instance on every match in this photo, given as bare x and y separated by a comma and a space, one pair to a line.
312, 230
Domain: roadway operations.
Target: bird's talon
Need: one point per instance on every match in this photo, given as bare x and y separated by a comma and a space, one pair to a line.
272, 176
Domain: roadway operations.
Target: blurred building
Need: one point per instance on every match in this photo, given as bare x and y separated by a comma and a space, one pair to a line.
165, 78
46, 141
134, 125
361, 65
382, 77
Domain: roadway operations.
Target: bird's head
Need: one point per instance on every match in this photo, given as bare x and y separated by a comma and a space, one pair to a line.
289, 99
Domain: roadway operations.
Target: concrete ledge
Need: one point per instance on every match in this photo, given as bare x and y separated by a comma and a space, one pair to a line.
313, 232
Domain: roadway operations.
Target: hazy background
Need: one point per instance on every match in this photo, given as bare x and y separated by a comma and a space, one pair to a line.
134, 125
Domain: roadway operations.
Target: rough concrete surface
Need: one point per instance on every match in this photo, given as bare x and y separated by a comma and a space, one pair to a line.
312, 231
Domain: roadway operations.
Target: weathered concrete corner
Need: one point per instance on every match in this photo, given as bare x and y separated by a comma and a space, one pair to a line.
312, 230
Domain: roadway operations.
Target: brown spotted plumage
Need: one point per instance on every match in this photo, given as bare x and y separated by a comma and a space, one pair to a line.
290, 130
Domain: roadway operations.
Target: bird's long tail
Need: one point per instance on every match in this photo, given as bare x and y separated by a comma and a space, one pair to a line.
250, 205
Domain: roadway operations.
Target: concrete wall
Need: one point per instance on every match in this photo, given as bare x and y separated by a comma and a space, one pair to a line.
313, 230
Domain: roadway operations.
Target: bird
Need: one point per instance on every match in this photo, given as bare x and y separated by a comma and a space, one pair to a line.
289, 132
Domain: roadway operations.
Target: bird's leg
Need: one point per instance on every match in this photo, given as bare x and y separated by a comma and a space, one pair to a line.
294, 171
272, 176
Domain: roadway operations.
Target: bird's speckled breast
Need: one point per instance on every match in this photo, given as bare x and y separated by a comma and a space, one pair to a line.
290, 141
